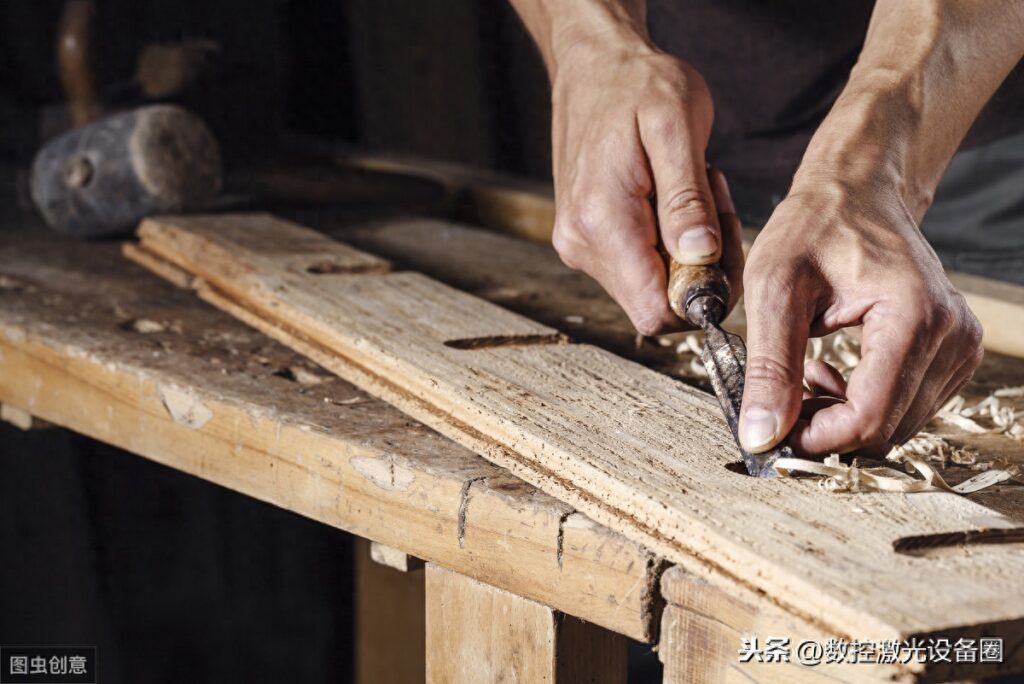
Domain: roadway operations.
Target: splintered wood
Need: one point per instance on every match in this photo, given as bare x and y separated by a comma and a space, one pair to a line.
633, 449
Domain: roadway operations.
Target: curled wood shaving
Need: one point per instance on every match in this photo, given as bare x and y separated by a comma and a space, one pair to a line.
991, 415
992, 409
840, 477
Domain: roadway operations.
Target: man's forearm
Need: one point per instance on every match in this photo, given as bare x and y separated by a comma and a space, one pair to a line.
925, 72
559, 26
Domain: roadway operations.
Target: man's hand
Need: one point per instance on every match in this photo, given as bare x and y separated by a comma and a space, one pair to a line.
630, 127
839, 256
844, 249
630, 123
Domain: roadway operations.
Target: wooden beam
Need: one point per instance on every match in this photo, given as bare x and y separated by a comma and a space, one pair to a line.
633, 449
390, 621
477, 633
206, 395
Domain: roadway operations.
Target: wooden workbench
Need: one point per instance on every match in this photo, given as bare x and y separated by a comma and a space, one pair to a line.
90, 342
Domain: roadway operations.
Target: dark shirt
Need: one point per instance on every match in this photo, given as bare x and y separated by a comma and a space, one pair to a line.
775, 68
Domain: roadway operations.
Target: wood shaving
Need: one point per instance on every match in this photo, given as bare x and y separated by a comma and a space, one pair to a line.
839, 477
1003, 418
991, 415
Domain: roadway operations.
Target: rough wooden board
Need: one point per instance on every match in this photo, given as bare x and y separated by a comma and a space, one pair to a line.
531, 280
632, 448
477, 633
527, 209
209, 396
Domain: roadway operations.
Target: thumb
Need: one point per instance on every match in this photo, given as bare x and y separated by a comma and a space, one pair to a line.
777, 331
687, 217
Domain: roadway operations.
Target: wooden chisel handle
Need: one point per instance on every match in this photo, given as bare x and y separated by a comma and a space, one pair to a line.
688, 283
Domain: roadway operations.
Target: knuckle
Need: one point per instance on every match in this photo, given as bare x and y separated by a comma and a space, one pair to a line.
648, 318
942, 317
588, 220
567, 246
664, 117
878, 429
688, 202
768, 373
972, 331
646, 325
976, 356
767, 284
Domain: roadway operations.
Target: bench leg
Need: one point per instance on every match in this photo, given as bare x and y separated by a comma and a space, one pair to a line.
478, 633
390, 621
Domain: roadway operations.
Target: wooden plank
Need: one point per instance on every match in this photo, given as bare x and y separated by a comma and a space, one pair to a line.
477, 633
631, 448
533, 281
527, 209
390, 621
197, 391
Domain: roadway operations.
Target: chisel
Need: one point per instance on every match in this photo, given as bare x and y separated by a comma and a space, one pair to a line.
700, 296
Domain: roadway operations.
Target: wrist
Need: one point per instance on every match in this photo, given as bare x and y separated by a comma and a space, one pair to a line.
866, 143
582, 34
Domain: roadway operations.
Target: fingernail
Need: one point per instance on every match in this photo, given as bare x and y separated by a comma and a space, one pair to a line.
758, 429
698, 245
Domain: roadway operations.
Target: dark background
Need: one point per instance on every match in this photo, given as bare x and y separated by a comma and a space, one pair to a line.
174, 579
453, 79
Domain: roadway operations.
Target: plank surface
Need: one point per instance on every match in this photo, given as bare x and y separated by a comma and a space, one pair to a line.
477, 633
527, 209
94, 344
633, 449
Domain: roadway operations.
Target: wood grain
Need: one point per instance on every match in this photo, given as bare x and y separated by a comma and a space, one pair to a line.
527, 209
477, 633
633, 449
204, 394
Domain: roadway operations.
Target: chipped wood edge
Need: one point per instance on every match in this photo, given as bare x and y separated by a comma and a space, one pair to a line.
22, 419
584, 570
389, 556
351, 371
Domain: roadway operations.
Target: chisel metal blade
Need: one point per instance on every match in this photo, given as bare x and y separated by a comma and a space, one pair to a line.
725, 358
